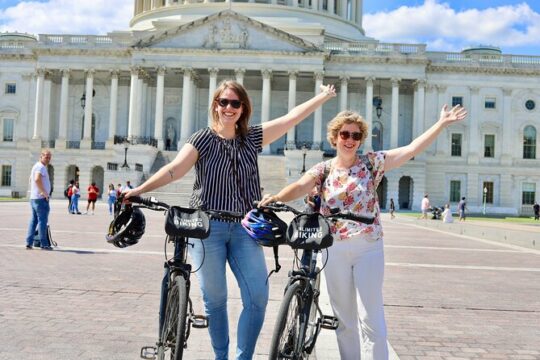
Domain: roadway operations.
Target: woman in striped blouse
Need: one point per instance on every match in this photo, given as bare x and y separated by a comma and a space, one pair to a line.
227, 179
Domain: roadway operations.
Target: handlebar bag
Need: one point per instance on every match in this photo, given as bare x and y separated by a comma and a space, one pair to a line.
187, 222
309, 232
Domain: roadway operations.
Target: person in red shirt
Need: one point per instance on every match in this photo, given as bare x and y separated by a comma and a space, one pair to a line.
93, 192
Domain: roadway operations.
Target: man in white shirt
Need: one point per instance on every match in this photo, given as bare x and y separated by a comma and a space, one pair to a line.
40, 190
425, 207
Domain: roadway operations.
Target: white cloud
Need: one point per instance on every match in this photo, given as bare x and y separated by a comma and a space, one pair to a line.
443, 28
67, 16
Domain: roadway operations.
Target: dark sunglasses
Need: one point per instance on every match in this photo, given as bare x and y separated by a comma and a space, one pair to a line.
345, 135
224, 102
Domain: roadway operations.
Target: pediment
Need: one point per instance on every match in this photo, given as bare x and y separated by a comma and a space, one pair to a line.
226, 30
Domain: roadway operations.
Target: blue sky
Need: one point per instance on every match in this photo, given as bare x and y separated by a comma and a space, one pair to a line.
451, 25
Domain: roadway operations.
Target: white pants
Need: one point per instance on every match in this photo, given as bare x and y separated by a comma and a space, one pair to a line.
354, 277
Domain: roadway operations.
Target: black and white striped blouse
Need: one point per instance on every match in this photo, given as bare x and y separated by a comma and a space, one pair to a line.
226, 172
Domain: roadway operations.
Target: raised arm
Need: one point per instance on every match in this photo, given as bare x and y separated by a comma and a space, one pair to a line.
174, 170
274, 129
292, 191
398, 156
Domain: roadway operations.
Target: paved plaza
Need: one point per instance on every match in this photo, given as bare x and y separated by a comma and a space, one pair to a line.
447, 296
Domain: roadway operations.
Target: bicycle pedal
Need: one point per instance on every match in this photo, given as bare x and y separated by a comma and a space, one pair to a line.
199, 321
329, 322
148, 352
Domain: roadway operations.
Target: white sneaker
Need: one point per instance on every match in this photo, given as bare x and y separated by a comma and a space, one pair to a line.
85, 213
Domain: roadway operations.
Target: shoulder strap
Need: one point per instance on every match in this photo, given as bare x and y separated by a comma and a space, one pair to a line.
365, 160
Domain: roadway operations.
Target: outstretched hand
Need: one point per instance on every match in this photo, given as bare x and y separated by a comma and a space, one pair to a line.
329, 90
449, 117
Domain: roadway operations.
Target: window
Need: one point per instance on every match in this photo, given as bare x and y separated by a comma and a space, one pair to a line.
487, 189
6, 175
456, 144
7, 130
455, 190
489, 146
528, 193
457, 100
529, 142
530, 105
490, 103
11, 88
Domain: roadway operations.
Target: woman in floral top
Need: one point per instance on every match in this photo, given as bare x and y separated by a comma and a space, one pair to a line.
355, 263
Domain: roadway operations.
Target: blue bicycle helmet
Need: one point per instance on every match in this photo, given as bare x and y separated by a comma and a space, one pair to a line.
127, 227
266, 228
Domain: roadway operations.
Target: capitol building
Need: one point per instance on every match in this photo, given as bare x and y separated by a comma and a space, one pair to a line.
114, 107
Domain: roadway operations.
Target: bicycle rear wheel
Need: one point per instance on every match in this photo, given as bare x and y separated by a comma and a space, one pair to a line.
173, 334
287, 337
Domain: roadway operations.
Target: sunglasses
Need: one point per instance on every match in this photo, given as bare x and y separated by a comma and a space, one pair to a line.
225, 102
345, 135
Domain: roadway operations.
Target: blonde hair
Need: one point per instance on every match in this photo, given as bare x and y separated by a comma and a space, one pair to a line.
242, 123
342, 118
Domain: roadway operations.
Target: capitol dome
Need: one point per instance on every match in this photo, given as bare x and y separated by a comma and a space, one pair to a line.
316, 21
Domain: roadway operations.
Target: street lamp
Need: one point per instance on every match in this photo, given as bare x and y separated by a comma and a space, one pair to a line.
126, 146
304, 153
485, 197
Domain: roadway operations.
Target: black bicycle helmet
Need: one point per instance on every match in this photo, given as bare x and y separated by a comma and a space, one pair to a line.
127, 227
266, 228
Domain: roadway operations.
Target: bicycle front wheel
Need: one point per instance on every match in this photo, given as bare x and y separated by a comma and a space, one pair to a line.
287, 339
173, 334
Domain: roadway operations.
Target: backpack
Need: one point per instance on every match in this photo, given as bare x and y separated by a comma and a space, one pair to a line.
66, 191
69, 191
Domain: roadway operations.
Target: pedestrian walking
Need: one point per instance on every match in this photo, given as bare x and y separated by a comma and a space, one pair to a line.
424, 207
462, 207
111, 199
40, 190
75, 195
392, 208
93, 193
355, 262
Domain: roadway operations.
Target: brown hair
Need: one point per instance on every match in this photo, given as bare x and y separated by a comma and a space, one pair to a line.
342, 118
242, 123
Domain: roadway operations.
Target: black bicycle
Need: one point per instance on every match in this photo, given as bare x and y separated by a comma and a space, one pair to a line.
176, 309
300, 319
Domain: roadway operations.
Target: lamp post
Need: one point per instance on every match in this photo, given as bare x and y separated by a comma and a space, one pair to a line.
304, 153
126, 147
485, 197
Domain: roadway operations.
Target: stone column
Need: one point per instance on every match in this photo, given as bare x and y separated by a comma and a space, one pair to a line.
38, 110
317, 115
343, 93
86, 142
369, 114
212, 86
46, 116
265, 104
473, 126
420, 109
507, 143
239, 75
394, 122
315, 5
442, 139
291, 134
63, 120
331, 9
113, 107
294, 3
186, 107
358, 12
160, 91
138, 106
342, 9
132, 116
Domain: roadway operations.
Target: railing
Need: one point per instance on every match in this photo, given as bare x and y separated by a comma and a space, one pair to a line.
98, 145
73, 144
136, 140
112, 166
495, 60
84, 40
138, 167
47, 144
375, 48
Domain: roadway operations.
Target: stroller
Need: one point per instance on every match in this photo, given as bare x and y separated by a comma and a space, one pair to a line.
436, 212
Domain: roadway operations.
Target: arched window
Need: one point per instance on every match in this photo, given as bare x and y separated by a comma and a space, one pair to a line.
529, 142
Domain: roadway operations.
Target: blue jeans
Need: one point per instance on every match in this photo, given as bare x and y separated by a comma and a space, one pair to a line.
75, 204
229, 242
39, 220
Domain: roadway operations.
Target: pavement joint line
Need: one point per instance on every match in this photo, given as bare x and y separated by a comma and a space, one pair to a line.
485, 241
450, 248
464, 267
444, 307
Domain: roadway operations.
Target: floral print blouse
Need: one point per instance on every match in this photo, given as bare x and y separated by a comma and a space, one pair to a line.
354, 190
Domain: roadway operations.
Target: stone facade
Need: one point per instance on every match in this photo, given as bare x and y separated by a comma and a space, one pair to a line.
146, 90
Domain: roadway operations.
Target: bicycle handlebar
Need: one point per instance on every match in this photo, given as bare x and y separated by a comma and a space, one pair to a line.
278, 206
